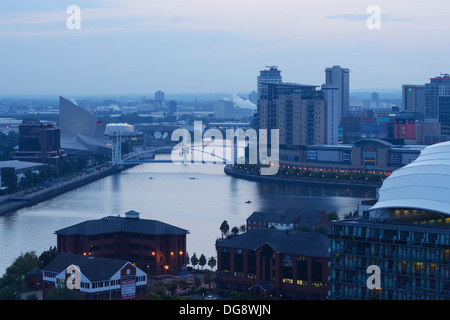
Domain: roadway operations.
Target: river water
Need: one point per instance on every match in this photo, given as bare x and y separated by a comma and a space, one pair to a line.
196, 197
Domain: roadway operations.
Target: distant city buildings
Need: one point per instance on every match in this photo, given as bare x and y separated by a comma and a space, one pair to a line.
270, 75
39, 142
159, 96
223, 109
82, 133
413, 98
297, 111
437, 87
173, 106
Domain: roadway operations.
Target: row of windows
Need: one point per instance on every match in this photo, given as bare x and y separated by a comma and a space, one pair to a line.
404, 235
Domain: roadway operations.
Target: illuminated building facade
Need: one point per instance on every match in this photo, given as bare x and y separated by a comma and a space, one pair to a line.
406, 233
156, 247
284, 264
99, 278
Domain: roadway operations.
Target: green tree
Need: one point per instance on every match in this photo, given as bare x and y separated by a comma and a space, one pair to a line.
333, 215
47, 256
13, 281
235, 231
224, 228
9, 179
202, 261
212, 262
194, 260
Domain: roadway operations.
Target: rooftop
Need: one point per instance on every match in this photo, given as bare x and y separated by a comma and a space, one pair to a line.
17, 165
290, 216
309, 244
131, 223
94, 268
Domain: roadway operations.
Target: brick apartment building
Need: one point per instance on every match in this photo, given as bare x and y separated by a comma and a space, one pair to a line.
285, 264
156, 247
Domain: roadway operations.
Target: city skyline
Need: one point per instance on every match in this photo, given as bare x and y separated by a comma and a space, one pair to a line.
199, 46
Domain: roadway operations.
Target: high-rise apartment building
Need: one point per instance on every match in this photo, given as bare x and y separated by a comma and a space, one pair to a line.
413, 98
270, 75
297, 111
332, 97
438, 87
340, 78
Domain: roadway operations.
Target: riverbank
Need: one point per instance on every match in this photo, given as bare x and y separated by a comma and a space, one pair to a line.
30, 197
248, 175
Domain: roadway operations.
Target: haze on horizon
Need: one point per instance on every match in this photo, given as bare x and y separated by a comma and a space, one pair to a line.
139, 46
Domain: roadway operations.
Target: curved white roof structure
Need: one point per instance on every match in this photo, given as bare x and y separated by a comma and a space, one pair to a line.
423, 184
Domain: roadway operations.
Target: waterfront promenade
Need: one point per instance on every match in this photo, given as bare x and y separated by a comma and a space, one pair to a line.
32, 196
321, 182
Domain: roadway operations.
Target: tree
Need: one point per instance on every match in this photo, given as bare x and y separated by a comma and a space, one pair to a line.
202, 261
333, 215
194, 260
188, 260
235, 231
212, 262
13, 281
224, 228
9, 179
47, 256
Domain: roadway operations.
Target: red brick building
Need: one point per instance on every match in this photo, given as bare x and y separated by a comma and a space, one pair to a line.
285, 264
155, 247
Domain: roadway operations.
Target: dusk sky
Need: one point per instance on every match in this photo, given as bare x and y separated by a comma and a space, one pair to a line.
208, 46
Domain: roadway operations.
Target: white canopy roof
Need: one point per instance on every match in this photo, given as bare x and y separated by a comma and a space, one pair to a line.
423, 184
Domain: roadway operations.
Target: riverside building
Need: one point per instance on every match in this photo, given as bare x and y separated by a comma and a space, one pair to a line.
406, 234
156, 247
285, 264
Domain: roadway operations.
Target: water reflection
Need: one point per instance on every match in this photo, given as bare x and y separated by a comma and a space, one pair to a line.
195, 197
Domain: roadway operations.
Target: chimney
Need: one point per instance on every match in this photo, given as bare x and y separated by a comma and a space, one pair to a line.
132, 215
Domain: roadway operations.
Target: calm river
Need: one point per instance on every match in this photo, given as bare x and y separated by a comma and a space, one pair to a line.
196, 197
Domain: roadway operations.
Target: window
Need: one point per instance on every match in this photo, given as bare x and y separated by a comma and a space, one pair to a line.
316, 270
302, 270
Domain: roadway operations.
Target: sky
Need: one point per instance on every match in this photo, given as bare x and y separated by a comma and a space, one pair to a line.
212, 46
